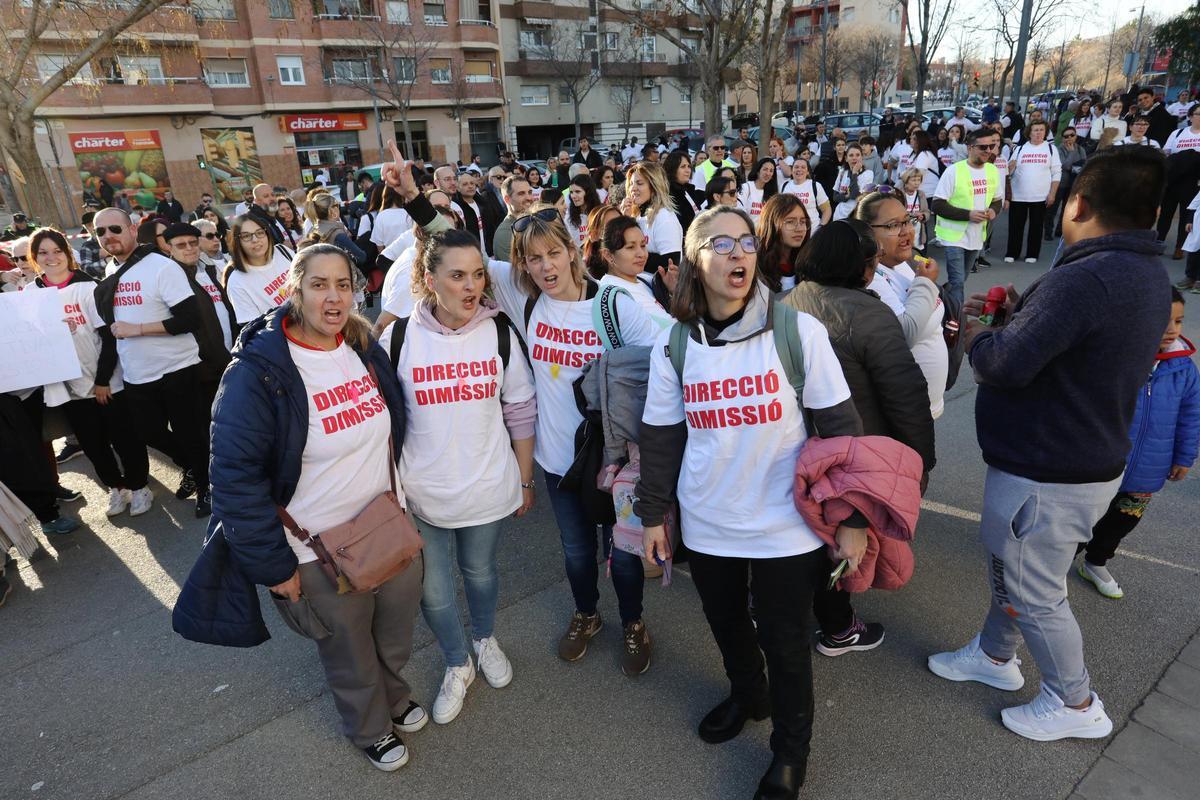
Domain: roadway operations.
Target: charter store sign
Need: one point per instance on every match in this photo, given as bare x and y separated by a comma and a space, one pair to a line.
319, 123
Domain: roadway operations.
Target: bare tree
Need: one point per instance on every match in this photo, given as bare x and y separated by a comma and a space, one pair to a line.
569, 61
710, 33
458, 100
768, 55
931, 24
873, 60
76, 32
1037, 56
1005, 19
623, 70
838, 55
1060, 65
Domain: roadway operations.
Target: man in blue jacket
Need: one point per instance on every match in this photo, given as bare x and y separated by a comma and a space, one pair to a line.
1057, 388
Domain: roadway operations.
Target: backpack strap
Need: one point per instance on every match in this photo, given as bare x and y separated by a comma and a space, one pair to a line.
504, 331
791, 353
529, 304
399, 328
604, 317
677, 347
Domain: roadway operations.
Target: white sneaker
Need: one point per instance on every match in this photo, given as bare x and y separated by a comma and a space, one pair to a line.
118, 501
1031, 261
1101, 578
494, 665
453, 692
1009, 259
970, 663
141, 501
1046, 719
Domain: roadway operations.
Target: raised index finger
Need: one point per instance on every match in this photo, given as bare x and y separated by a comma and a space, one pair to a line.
397, 156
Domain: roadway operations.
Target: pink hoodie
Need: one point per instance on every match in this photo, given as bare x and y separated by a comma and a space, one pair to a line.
876, 475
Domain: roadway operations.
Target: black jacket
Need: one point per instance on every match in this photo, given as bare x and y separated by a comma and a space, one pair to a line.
592, 160
172, 210
1162, 122
267, 222
680, 193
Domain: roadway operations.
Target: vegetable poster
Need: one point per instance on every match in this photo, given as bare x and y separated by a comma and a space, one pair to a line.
130, 162
232, 158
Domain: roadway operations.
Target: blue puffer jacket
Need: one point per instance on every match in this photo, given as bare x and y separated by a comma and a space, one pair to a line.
259, 429
1166, 425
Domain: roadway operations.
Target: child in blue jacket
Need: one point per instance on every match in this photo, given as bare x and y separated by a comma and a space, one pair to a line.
1165, 435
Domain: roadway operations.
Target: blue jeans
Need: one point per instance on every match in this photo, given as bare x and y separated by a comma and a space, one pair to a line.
579, 553
476, 548
958, 264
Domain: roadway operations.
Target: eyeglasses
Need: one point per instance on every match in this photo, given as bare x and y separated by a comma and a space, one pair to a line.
880, 188
545, 215
723, 245
186, 244
209, 235
986, 146
794, 224
252, 236
19, 259
728, 193
717, 147
115, 230
895, 227
1068, 136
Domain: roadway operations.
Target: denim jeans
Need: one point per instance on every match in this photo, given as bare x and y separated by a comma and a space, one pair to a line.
579, 553
476, 546
958, 264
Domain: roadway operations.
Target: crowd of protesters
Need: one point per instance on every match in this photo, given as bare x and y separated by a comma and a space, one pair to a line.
655, 335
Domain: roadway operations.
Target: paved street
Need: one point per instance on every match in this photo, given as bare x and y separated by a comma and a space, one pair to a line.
102, 700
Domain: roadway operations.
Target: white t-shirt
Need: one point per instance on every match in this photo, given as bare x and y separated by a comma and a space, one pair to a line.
398, 298
1002, 167
947, 155
561, 339
579, 233
455, 435
631, 153
841, 185
345, 461
1180, 109
928, 163
1035, 168
965, 122
390, 223
750, 198
259, 289
973, 237
79, 306
1180, 140
745, 431
902, 157
1192, 243
401, 243
214, 292
665, 234
644, 295
812, 200
1100, 124
892, 284
145, 294
1146, 141
912, 203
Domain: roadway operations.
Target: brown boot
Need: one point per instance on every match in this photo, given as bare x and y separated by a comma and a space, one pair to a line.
574, 643
1178, 255
635, 658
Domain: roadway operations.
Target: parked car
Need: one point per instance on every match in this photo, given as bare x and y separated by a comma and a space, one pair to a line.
940, 115
732, 138
533, 163
859, 123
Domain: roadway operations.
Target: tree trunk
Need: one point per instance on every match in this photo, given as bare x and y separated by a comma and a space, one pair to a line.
39, 195
576, 104
710, 90
408, 145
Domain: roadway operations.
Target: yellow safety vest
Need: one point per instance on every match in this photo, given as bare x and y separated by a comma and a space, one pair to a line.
708, 170
951, 230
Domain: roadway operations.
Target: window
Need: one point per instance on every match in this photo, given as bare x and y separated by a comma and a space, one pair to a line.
649, 46
894, 15
142, 70
49, 65
439, 70
564, 95
655, 94
532, 41
685, 95
435, 12
404, 69
280, 9
587, 40
477, 70
350, 70
397, 12
612, 40
536, 95
213, 9
226, 72
291, 70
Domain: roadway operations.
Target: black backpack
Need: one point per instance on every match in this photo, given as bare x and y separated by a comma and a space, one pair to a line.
504, 331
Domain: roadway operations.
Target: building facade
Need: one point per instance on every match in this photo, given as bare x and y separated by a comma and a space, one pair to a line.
224, 94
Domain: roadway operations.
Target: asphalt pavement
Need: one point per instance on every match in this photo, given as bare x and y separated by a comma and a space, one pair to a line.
102, 700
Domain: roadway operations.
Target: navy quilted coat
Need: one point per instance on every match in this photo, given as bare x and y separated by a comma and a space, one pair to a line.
259, 429
1166, 425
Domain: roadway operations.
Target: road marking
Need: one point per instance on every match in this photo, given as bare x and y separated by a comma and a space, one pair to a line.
971, 516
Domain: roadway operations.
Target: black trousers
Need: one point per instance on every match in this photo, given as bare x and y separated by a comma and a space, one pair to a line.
1123, 514
1018, 214
783, 593
23, 466
174, 399
1176, 196
101, 429
1192, 268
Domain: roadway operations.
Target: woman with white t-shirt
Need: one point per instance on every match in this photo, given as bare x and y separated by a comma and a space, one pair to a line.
812, 195
733, 484
624, 253
310, 418
758, 188
1034, 170
1112, 119
782, 232
648, 199
908, 286
924, 158
581, 199
852, 179
470, 419
256, 278
94, 405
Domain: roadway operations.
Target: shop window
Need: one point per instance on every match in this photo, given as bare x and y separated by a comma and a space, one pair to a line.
226, 72
48, 66
280, 9
291, 70
439, 70
535, 95
397, 12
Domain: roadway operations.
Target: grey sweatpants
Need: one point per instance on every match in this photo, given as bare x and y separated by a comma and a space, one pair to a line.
1031, 532
364, 641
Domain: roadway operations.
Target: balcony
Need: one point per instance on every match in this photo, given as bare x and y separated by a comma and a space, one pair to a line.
152, 96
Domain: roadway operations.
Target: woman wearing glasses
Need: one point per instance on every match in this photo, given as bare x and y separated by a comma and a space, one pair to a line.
1072, 154
721, 191
738, 519
782, 231
256, 278
812, 195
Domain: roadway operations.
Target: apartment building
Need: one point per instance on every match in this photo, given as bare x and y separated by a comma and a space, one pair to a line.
626, 77
281, 91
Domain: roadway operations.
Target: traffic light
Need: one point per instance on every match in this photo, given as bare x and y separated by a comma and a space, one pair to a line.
976, 83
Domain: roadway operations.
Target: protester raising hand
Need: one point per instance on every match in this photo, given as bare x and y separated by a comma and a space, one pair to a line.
398, 174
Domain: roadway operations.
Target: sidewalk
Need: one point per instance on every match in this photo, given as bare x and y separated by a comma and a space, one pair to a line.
1157, 755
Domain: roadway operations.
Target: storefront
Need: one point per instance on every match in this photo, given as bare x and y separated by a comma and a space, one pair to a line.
325, 144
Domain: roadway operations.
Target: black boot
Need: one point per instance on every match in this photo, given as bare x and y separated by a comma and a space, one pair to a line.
729, 717
782, 781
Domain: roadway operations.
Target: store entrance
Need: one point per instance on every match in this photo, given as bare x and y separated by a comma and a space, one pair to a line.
326, 157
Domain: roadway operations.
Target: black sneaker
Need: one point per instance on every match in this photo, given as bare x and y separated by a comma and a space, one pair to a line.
66, 495
203, 505
860, 636
187, 485
388, 754
70, 450
983, 262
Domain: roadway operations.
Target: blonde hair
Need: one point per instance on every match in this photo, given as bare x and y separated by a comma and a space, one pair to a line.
319, 208
909, 174
550, 232
656, 178
357, 330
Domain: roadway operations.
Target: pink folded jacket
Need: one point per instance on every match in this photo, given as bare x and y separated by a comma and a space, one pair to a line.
875, 475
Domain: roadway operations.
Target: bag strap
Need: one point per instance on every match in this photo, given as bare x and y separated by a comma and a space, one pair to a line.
786, 333
604, 317
504, 331
399, 328
529, 304
677, 344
